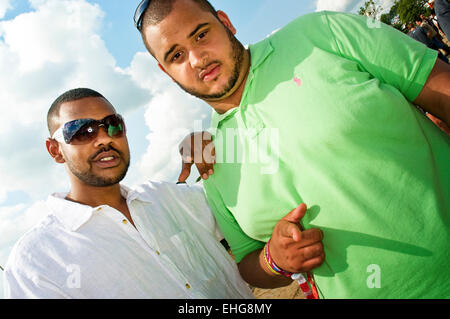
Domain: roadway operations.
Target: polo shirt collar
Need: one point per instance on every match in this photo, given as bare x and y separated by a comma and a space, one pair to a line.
74, 215
258, 54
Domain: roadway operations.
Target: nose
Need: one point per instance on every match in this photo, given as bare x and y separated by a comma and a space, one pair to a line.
198, 58
102, 138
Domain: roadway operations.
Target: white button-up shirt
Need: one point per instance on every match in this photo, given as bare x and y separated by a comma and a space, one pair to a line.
79, 251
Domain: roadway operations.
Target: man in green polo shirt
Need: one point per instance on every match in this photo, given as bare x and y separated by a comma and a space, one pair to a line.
322, 114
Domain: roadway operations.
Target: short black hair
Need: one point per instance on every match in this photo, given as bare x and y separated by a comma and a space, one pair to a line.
71, 95
158, 10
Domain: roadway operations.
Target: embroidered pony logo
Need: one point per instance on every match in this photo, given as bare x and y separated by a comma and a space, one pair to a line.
297, 81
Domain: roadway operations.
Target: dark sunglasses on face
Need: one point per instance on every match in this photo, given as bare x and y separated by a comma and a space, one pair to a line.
85, 130
139, 14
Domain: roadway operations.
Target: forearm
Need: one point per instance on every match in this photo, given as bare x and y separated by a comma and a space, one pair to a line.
254, 271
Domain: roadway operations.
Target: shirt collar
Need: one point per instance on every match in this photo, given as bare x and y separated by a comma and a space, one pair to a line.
74, 215
258, 54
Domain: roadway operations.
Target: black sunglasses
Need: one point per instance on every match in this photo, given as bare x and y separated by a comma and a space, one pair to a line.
139, 14
85, 130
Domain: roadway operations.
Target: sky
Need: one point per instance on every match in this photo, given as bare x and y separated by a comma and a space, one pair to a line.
50, 46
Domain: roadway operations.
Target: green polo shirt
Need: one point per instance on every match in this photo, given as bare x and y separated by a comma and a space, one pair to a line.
326, 119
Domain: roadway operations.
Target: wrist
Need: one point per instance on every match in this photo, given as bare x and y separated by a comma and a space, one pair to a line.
269, 264
265, 265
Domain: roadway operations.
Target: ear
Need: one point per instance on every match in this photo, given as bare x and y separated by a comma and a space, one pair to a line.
226, 21
54, 151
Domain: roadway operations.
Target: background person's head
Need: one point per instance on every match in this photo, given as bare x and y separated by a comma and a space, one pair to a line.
195, 46
418, 20
100, 159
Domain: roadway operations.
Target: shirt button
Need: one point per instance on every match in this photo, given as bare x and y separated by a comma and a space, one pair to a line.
188, 286
125, 221
158, 253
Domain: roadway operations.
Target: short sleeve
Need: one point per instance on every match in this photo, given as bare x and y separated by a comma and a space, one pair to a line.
384, 52
240, 244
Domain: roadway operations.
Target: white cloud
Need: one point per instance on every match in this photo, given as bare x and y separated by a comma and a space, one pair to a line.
333, 5
349, 5
5, 5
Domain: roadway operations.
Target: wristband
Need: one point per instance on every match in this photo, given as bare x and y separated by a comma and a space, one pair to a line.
300, 278
271, 264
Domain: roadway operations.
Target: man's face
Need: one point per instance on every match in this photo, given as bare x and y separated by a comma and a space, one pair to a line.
102, 161
199, 52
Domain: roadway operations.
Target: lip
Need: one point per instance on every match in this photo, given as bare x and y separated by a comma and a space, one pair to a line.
210, 73
108, 164
114, 161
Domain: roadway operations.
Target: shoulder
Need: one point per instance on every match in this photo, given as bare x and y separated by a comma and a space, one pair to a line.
310, 21
178, 197
182, 200
33, 246
315, 20
315, 29
165, 191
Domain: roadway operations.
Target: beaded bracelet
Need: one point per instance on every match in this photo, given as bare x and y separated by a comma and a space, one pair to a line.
271, 264
303, 283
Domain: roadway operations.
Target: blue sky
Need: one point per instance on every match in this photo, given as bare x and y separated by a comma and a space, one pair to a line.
50, 46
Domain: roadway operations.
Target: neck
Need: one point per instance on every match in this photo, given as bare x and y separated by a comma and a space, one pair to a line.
233, 98
97, 196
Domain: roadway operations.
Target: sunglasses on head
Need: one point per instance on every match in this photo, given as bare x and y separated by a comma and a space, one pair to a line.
85, 130
139, 14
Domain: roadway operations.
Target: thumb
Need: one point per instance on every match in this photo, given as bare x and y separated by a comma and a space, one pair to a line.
185, 172
296, 215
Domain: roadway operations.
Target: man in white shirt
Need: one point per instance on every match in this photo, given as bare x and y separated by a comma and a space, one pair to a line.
104, 240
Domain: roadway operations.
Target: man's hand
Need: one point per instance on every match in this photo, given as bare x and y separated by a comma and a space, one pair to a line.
197, 148
293, 249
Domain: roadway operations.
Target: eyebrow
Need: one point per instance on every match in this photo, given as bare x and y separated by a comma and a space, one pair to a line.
201, 25
173, 47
